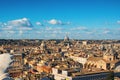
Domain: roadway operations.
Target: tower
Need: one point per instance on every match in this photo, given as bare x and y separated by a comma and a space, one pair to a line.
43, 46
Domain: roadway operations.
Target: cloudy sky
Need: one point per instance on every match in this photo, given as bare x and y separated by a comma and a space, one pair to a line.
53, 19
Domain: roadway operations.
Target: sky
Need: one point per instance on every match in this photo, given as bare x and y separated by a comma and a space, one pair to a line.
54, 19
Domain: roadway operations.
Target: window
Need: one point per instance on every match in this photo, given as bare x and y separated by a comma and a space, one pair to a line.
110, 59
108, 66
59, 71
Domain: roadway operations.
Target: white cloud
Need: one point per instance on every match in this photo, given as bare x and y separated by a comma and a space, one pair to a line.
106, 32
39, 24
54, 21
19, 24
118, 21
79, 28
90, 33
25, 28
39, 32
7, 28
2, 24
68, 23
56, 32
53, 28
57, 22
16, 27
24, 22
20, 32
48, 28
5, 24
11, 32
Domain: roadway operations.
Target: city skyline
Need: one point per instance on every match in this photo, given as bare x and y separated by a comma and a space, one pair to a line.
53, 19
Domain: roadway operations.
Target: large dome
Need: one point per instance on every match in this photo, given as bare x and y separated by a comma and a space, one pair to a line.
66, 38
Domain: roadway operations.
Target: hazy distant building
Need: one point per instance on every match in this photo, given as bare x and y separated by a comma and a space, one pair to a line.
84, 42
66, 38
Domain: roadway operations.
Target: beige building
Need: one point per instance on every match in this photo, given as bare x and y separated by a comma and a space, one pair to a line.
84, 42
108, 62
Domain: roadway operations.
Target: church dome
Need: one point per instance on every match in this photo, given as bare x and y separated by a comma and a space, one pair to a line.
66, 38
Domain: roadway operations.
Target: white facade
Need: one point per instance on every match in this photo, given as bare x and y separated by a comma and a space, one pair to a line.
64, 75
79, 59
60, 76
84, 42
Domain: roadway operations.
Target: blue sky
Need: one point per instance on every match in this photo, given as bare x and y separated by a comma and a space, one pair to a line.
53, 19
